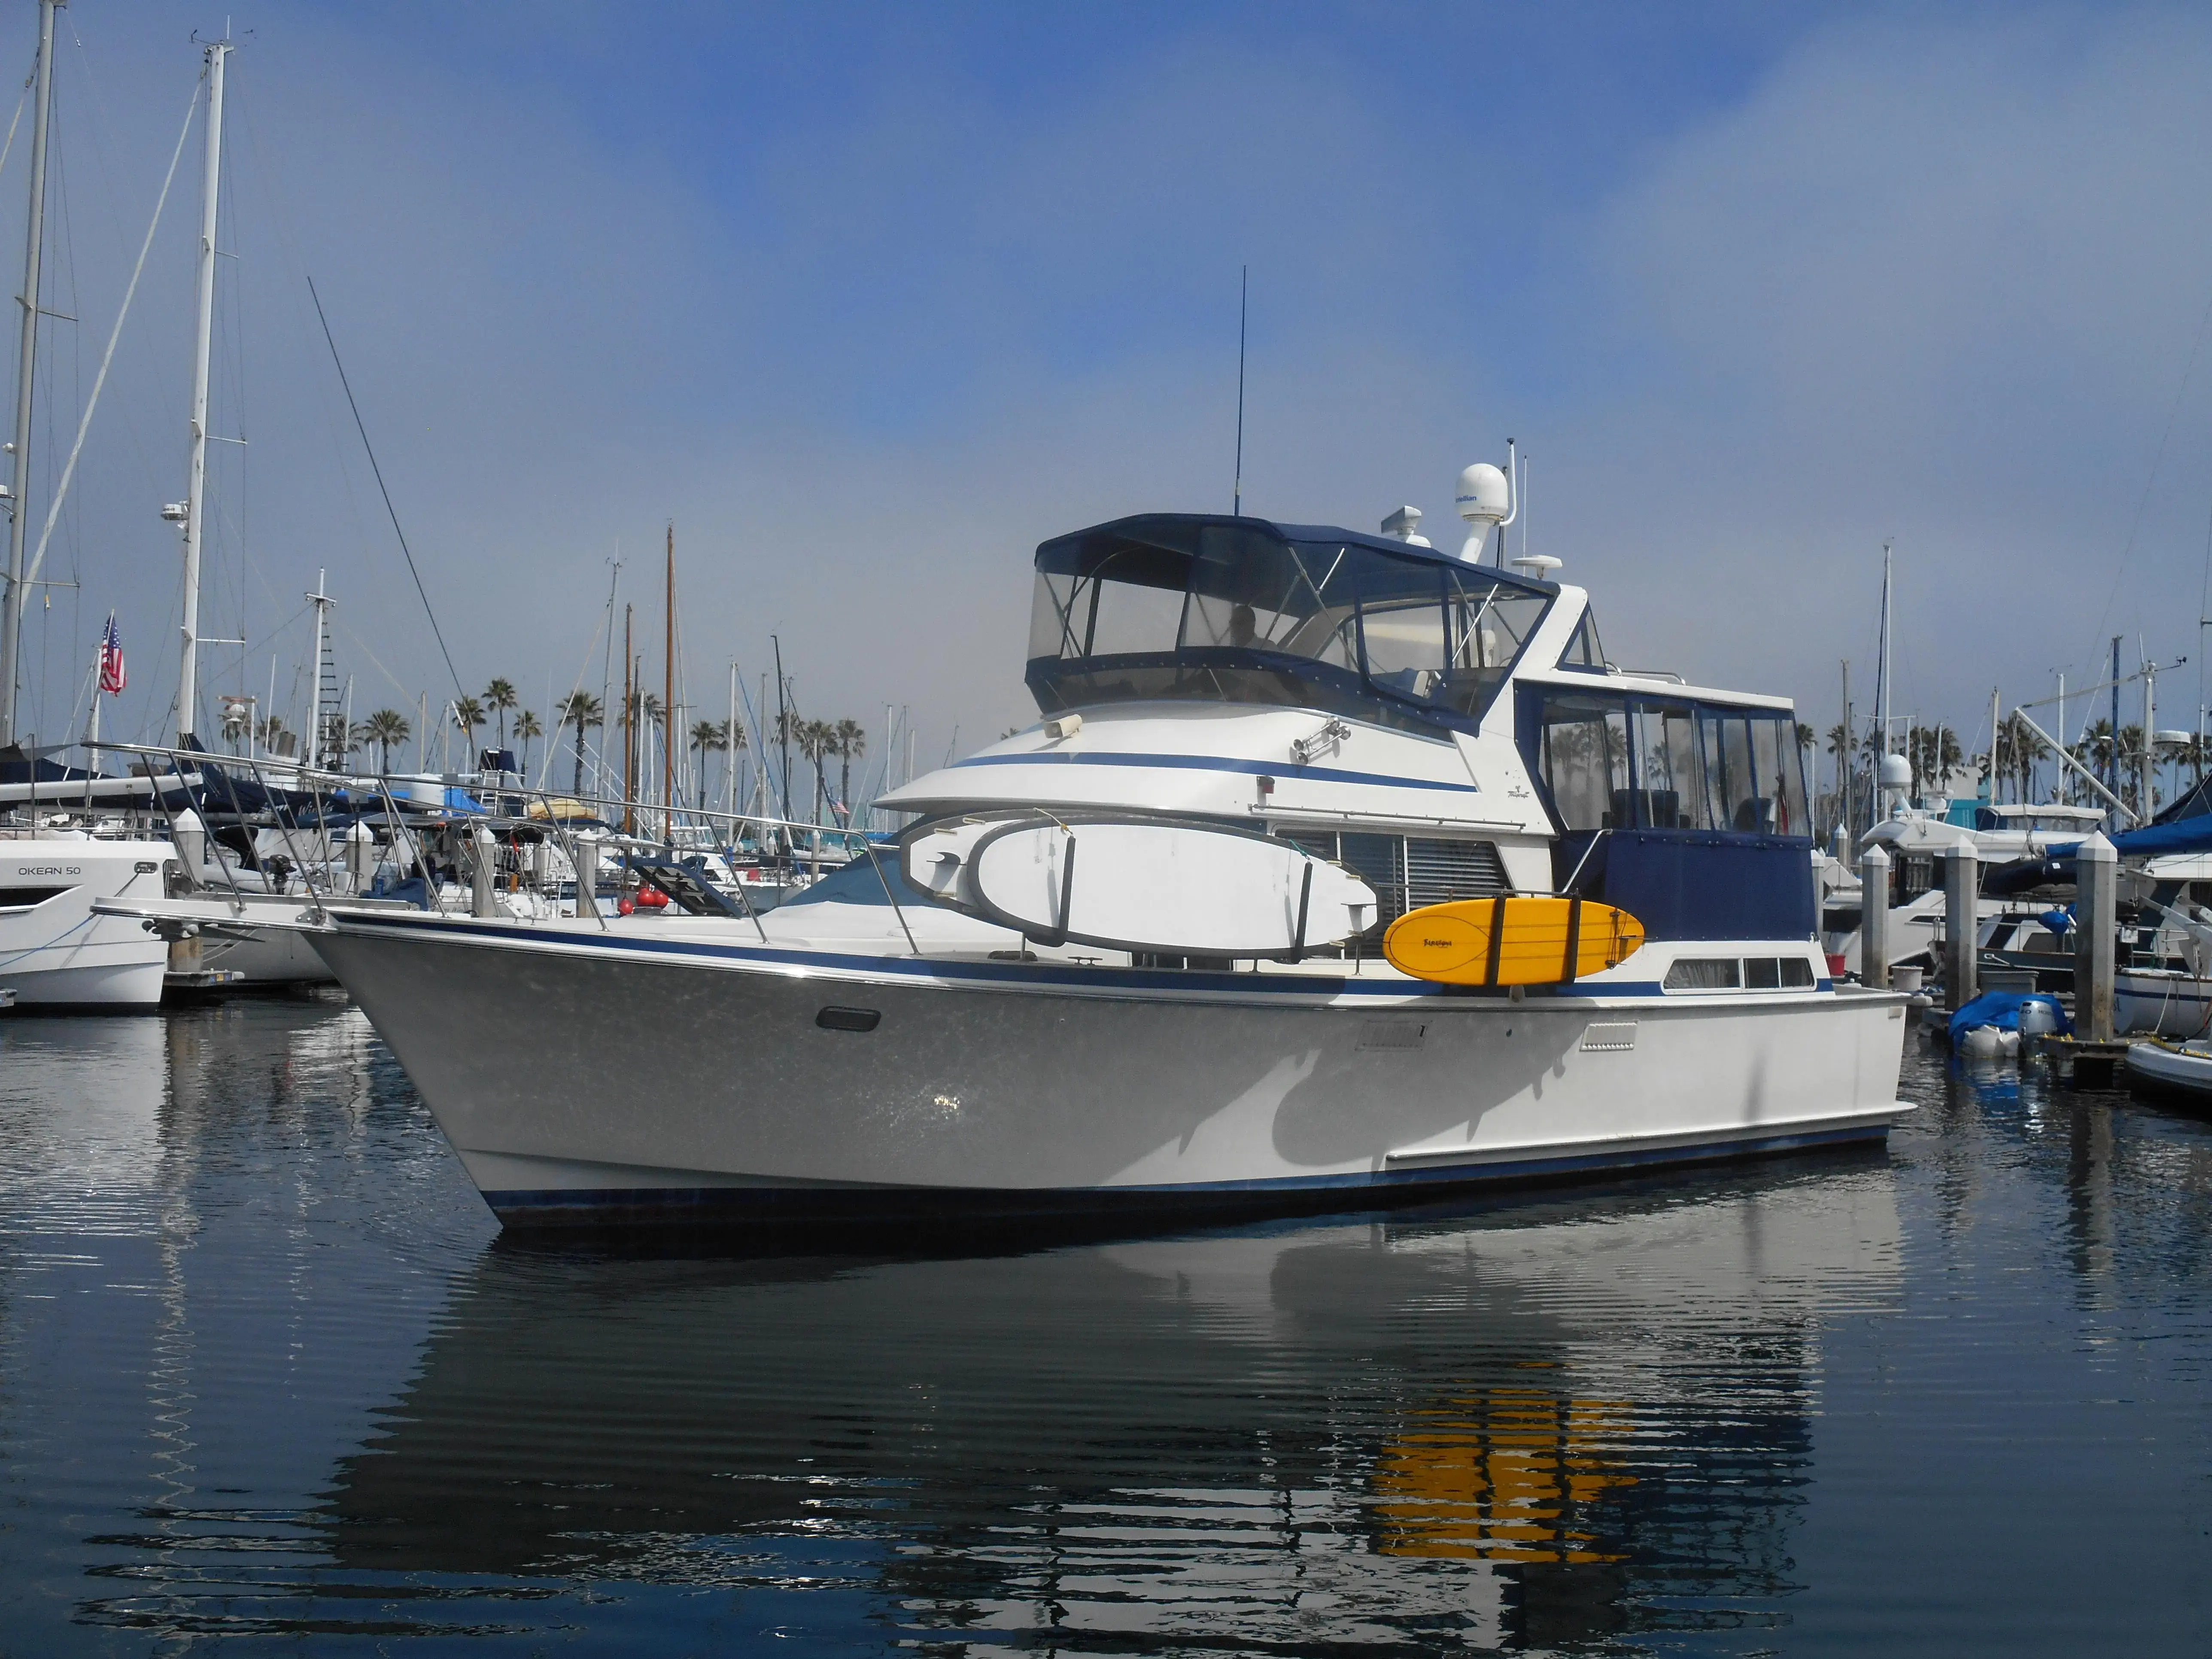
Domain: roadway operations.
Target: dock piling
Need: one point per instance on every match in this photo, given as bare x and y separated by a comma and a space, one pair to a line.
1874, 919
484, 889
1961, 925
2096, 924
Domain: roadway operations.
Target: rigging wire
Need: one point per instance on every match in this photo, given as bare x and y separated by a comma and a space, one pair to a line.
2157, 459
12, 120
370, 449
107, 357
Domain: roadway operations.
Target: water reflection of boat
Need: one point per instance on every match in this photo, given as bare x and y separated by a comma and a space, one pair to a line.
1329, 1434
83, 1096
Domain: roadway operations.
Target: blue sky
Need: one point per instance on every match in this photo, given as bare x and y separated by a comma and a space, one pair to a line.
869, 300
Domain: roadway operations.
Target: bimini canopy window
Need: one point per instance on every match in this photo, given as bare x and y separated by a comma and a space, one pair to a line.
1240, 610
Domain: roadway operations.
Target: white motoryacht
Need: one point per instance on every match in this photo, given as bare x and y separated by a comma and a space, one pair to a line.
1419, 726
55, 952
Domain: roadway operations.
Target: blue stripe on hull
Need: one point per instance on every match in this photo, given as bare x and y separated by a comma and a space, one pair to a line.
801, 1207
1052, 975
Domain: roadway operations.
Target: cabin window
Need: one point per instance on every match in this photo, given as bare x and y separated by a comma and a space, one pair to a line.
1582, 750
1249, 593
25, 898
1401, 622
1671, 790
1756, 771
1485, 627
1612, 764
1739, 974
1703, 973
1583, 651
1176, 608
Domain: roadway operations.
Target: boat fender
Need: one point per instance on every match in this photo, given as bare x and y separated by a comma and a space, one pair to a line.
1983, 1043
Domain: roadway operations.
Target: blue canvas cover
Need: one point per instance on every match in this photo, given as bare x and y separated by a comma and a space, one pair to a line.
2002, 1009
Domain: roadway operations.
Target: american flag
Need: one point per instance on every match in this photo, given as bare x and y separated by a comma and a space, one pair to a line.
112, 679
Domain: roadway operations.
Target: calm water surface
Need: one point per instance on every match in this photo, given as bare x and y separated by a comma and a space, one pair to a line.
267, 1375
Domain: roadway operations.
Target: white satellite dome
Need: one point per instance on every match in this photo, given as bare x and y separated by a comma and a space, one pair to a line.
1484, 499
1895, 773
1484, 496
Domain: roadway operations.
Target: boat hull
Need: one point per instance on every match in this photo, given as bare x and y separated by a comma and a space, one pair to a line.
2161, 1002
271, 958
57, 955
2183, 1074
1009, 1091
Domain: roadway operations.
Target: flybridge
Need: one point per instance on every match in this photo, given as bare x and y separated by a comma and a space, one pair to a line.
1189, 606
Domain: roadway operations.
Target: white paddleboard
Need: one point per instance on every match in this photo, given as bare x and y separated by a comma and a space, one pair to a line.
1140, 884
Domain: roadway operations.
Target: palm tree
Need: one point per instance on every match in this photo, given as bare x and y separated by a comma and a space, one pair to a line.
580, 709
707, 736
852, 744
1934, 754
1839, 750
384, 728
499, 697
790, 732
468, 715
2133, 753
2018, 749
526, 728
816, 740
2192, 755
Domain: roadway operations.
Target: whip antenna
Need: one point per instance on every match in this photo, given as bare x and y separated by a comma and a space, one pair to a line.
1243, 292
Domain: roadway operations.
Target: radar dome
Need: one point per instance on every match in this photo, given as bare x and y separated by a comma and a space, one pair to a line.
1896, 772
1484, 498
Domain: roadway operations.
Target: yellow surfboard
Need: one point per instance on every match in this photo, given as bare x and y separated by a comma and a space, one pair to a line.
1510, 941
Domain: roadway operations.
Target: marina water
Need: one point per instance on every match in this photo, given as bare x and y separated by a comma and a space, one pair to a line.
267, 1373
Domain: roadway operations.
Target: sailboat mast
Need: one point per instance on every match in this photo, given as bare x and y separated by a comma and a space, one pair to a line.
313, 750
11, 614
188, 655
668, 700
629, 727
1882, 698
730, 735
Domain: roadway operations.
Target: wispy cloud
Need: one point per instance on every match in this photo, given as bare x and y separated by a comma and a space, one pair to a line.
869, 304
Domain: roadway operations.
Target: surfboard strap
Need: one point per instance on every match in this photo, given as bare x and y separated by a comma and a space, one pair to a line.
1574, 939
1067, 890
1305, 899
1497, 940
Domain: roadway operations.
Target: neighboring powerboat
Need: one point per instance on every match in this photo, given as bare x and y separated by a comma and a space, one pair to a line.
1268, 742
56, 953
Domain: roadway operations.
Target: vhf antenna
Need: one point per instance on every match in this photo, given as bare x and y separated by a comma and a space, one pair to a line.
1243, 292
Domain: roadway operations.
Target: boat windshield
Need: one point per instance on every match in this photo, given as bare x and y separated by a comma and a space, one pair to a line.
1176, 608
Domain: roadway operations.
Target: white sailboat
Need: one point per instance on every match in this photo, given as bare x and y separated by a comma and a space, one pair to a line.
55, 951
